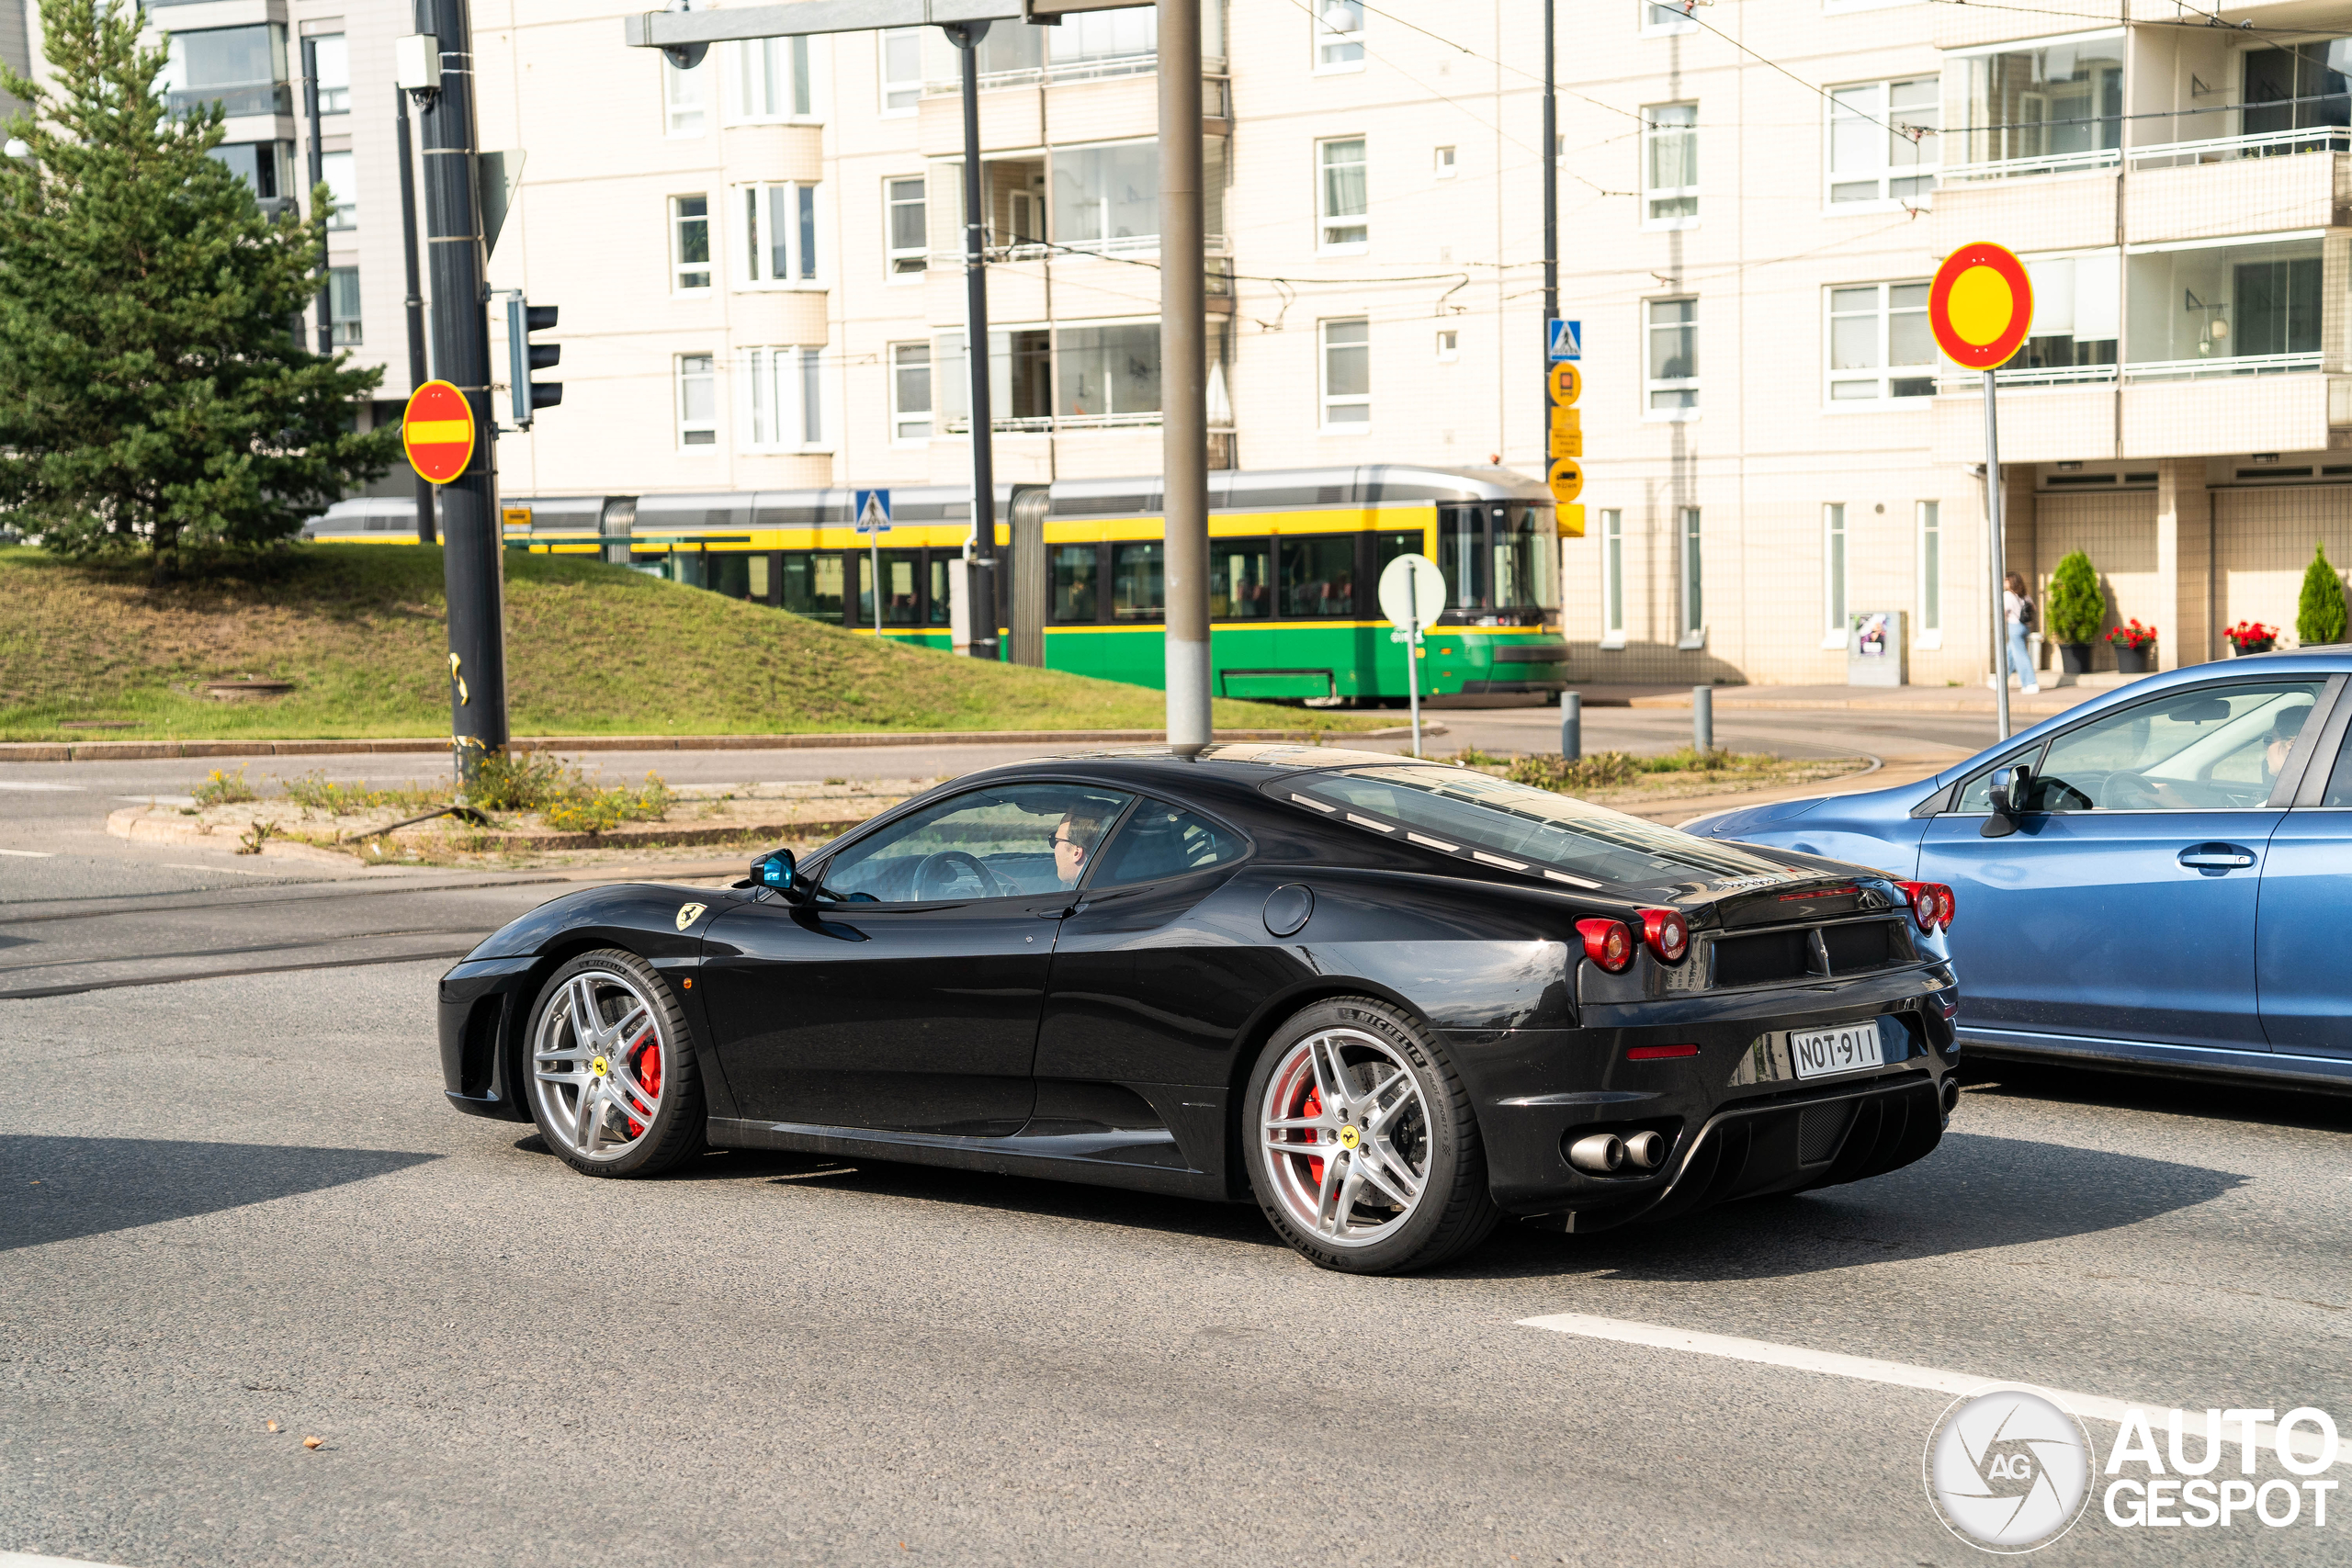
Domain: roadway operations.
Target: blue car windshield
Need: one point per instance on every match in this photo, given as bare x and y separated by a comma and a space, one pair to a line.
1492, 821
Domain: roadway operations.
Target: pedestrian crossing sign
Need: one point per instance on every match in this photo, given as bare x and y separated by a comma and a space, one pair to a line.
1565, 340
873, 512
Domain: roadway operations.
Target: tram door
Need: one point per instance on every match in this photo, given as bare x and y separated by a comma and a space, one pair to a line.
1028, 569
1461, 535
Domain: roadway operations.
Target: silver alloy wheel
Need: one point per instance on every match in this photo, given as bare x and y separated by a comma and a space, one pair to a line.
1346, 1135
597, 1064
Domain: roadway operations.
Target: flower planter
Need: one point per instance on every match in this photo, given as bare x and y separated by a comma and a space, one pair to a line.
2265, 646
2135, 661
2074, 657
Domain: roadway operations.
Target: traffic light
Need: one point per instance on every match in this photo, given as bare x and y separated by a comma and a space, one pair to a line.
524, 356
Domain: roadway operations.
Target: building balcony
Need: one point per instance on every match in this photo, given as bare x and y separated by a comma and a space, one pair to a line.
2158, 410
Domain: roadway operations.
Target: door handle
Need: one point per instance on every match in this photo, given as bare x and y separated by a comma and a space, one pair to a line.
2215, 857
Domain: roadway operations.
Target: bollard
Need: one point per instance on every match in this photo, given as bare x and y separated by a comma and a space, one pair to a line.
1571, 725
1702, 719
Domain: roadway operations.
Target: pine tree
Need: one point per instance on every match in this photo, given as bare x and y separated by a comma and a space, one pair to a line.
2076, 609
155, 393
2319, 615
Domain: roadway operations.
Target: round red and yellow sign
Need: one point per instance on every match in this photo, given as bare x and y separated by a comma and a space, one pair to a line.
1981, 306
438, 431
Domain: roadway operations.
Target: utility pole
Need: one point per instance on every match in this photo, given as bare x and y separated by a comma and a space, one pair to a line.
1551, 172
981, 553
426, 532
471, 564
318, 177
1184, 380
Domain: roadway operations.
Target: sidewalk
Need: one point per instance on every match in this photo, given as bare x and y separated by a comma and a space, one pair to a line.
1886, 699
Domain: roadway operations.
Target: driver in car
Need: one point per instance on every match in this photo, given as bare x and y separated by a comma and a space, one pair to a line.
1074, 838
2284, 728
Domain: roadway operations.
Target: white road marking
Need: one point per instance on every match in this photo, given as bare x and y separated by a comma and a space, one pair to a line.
31, 854
28, 1559
1901, 1374
231, 870
15, 784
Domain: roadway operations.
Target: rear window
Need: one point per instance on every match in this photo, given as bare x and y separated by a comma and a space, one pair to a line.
1492, 821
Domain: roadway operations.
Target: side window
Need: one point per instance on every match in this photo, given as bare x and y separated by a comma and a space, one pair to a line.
1162, 841
1976, 795
2214, 750
2339, 783
984, 843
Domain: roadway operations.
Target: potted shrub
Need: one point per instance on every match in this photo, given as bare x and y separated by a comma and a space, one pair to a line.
2076, 611
2251, 636
2319, 615
2136, 646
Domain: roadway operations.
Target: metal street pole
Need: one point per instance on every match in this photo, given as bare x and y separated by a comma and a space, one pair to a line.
426, 532
318, 177
471, 563
1413, 652
1550, 176
1183, 354
966, 36
2000, 568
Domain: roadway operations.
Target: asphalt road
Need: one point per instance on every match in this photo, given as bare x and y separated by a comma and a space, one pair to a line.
238, 1199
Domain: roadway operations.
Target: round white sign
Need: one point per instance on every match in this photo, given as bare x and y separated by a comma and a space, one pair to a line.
1412, 590
2009, 1469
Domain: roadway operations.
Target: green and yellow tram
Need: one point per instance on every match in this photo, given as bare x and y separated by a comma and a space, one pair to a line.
1294, 558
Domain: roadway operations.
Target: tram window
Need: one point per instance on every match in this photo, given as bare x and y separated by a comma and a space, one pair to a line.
812, 584
1320, 575
937, 604
1387, 547
1138, 584
731, 575
1238, 580
1522, 563
759, 578
1075, 568
899, 604
1462, 557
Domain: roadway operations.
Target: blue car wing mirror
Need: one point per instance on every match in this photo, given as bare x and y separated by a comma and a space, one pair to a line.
776, 872
2012, 789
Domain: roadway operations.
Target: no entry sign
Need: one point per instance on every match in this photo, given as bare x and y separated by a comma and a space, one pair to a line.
438, 431
1981, 306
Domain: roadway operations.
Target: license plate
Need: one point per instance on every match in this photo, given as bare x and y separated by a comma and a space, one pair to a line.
1852, 1048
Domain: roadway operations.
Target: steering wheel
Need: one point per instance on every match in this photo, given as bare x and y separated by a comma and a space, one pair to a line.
941, 867
2129, 792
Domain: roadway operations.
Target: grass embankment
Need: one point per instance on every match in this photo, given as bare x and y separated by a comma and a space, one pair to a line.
96, 653
1622, 779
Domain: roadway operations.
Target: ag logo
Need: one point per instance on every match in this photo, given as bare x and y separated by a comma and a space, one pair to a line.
689, 913
2009, 1469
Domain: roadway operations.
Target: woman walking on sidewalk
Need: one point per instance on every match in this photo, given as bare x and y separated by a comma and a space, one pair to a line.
2017, 611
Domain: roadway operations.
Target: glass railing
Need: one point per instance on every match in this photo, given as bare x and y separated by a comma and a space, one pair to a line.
2141, 371
2221, 147
235, 98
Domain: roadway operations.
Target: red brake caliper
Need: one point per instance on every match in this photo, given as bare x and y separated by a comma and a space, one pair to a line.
648, 1069
1312, 1107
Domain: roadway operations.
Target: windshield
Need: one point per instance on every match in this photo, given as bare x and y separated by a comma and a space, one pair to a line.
1520, 828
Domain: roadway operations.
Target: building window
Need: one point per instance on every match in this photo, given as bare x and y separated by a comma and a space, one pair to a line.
909, 229
2077, 313
1339, 35
1021, 365
812, 397
1106, 198
267, 167
2196, 303
697, 401
2062, 102
773, 80
902, 69
2299, 87
1449, 346
1884, 143
690, 242
786, 396
1879, 347
1694, 604
333, 57
241, 69
1612, 579
1672, 387
682, 97
910, 391
1346, 375
1671, 166
1446, 163
1931, 631
1340, 196
779, 234
343, 189
1833, 574
1108, 374
1660, 20
343, 305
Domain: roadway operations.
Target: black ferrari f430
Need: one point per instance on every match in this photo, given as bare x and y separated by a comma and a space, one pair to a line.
1393, 1001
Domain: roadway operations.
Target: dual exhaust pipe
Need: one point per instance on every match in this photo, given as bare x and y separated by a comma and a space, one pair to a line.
1612, 1154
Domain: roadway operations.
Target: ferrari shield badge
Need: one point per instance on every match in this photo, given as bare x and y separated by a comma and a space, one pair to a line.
689, 913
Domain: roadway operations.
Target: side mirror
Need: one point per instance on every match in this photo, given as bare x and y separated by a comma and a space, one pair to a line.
2012, 788
776, 872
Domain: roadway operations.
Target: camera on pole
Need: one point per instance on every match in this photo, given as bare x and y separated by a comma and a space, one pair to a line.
524, 356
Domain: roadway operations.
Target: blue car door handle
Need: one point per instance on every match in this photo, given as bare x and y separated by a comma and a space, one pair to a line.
2216, 857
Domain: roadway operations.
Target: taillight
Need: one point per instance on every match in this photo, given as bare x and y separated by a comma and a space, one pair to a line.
1607, 943
1658, 1053
1931, 903
1667, 934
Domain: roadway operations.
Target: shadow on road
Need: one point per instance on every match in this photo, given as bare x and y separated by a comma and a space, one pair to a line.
2263, 1103
59, 1188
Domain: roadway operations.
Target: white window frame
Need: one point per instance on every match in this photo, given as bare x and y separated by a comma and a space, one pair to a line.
1837, 573
1332, 43
1690, 573
339, 293
753, 68
888, 86
1449, 345
1885, 171
755, 205
1446, 163
685, 100
687, 428
903, 264
1669, 384
1612, 579
787, 398
1664, 21
1325, 219
1325, 398
344, 215
903, 418
1651, 134
1928, 520
1885, 374
679, 266
335, 97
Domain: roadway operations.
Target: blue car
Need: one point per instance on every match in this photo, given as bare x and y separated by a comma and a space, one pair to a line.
2159, 879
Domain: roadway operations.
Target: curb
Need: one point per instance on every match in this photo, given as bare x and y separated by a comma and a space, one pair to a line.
150, 751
